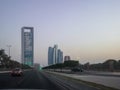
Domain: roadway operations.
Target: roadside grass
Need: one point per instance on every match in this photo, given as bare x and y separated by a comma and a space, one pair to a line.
91, 84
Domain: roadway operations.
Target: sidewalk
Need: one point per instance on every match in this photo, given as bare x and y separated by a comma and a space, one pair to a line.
104, 73
10, 71
5, 71
103, 80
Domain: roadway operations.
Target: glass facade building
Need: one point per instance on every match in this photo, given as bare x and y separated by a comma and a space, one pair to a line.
60, 56
27, 45
55, 55
50, 56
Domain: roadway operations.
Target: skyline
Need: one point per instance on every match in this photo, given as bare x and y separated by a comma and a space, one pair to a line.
86, 30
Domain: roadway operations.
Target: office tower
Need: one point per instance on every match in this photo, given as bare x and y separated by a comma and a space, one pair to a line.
27, 45
50, 56
55, 52
66, 58
60, 56
55, 55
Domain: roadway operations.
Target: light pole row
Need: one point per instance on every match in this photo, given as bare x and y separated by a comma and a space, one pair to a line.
9, 46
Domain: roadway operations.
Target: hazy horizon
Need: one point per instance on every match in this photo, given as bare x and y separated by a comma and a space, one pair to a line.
86, 30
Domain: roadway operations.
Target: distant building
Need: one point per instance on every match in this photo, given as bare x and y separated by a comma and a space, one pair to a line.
60, 56
27, 45
37, 66
55, 55
50, 56
67, 58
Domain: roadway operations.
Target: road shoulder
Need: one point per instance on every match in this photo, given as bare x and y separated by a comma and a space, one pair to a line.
91, 84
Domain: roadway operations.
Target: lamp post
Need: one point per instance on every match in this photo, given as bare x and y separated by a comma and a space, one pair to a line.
9, 46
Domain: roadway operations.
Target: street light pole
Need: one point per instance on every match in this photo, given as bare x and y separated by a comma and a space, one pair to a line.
9, 46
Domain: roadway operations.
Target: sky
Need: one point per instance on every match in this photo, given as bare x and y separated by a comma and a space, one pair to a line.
86, 30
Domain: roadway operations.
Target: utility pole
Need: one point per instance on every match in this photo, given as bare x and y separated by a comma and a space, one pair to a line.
9, 46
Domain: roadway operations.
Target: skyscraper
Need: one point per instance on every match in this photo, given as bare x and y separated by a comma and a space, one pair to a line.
55, 55
27, 45
50, 56
60, 56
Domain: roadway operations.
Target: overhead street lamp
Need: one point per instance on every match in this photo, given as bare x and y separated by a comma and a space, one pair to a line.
9, 46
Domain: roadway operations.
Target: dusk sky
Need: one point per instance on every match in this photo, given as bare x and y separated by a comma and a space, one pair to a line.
86, 30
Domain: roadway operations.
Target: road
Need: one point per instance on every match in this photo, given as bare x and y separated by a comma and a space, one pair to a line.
40, 80
109, 79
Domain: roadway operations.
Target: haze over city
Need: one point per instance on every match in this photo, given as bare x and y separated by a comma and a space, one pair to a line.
86, 30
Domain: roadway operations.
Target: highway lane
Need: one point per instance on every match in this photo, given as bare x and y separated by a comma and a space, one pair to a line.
40, 80
31, 80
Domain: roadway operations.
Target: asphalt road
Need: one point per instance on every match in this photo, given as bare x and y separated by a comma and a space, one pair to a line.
40, 80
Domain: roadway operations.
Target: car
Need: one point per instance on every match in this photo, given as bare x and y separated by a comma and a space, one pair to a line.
17, 72
77, 70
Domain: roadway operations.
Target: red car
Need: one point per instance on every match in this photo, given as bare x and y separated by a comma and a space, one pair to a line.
17, 72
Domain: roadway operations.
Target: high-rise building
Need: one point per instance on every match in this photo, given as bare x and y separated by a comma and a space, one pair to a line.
50, 56
66, 58
55, 55
27, 45
60, 56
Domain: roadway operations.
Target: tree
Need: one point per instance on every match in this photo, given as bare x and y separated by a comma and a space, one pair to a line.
71, 63
4, 59
87, 66
109, 64
6, 62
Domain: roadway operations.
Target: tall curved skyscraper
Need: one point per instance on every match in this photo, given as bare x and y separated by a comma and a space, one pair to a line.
27, 45
50, 56
55, 55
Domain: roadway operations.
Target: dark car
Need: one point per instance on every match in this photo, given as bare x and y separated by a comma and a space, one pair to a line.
77, 70
17, 72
